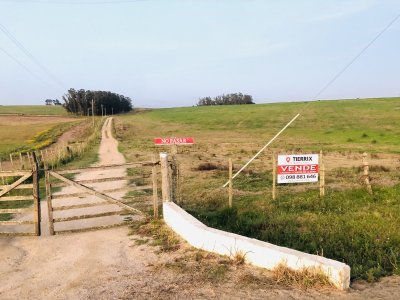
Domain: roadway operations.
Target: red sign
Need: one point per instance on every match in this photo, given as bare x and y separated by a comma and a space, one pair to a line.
174, 141
298, 169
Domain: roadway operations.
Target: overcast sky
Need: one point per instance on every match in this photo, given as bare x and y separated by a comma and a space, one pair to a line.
165, 53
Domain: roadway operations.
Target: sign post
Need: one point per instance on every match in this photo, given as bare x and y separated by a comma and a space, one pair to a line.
297, 168
173, 142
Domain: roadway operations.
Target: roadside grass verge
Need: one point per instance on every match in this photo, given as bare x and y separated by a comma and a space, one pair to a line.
157, 234
205, 267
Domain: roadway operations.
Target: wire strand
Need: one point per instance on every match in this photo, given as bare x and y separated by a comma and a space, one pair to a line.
25, 67
75, 2
356, 57
30, 56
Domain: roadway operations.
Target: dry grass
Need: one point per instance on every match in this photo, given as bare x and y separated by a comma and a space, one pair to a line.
238, 257
201, 267
304, 279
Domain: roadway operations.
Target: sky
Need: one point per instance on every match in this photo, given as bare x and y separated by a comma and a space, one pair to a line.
169, 53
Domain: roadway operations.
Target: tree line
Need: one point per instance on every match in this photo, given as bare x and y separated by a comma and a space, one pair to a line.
228, 99
80, 102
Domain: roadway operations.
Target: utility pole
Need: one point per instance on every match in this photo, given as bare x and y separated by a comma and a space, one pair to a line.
93, 111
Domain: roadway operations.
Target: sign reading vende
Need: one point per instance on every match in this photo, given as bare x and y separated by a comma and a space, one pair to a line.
174, 141
297, 168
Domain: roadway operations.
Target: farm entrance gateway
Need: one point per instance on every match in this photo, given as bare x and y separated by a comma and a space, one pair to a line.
297, 168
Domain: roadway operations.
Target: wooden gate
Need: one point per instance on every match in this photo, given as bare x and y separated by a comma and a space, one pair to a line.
16, 192
84, 196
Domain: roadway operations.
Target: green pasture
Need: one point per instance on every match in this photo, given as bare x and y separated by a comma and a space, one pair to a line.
363, 124
348, 225
51, 110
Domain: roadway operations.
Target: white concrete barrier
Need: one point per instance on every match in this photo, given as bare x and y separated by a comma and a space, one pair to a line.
256, 252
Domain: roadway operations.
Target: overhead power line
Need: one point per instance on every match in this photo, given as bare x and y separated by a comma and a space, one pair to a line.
24, 67
30, 56
355, 58
74, 2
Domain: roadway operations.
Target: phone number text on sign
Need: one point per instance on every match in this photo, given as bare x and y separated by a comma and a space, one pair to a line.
297, 168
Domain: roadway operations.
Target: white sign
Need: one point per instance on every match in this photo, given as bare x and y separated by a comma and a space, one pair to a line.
297, 168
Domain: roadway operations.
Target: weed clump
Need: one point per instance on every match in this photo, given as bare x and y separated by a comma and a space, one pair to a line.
304, 279
161, 235
208, 166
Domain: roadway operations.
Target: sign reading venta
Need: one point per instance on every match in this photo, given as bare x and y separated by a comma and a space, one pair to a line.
297, 168
174, 141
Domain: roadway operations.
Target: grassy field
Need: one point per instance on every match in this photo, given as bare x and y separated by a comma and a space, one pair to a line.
348, 225
25, 133
370, 124
33, 110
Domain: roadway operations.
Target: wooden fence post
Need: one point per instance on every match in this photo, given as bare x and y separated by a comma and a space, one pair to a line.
230, 182
166, 192
174, 178
178, 183
366, 173
1, 170
36, 196
21, 162
273, 176
42, 156
48, 198
29, 159
12, 162
155, 194
322, 175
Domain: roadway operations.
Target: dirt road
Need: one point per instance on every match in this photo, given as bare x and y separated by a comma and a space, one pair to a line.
108, 264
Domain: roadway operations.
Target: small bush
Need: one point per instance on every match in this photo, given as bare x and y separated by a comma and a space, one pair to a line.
208, 166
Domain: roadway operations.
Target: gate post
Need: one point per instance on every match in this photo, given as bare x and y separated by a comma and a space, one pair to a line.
155, 196
175, 179
48, 197
166, 192
36, 196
